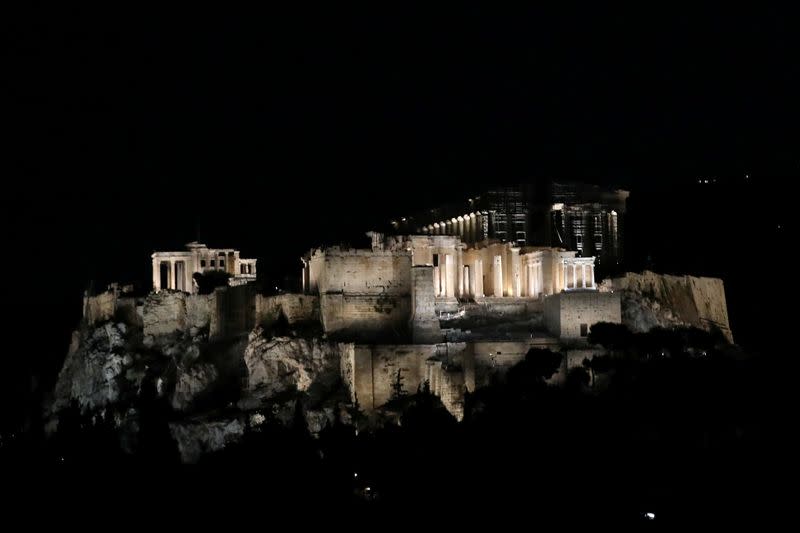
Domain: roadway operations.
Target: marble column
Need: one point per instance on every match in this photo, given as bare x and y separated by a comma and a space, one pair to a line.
156, 274
574, 276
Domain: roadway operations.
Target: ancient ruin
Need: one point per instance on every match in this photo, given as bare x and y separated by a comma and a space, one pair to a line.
175, 270
410, 312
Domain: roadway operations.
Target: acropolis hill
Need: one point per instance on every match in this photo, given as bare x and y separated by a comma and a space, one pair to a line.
441, 311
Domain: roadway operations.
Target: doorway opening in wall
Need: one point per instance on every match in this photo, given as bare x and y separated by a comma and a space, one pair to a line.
180, 276
584, 330
164, 274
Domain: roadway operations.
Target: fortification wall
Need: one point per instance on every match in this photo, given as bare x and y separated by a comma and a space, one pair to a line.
380, 370
658, 300
570, 315
366, 317
552, 314
164, 313
167, 312
366, 272
233, 311
297, 308
424, 323
199, 309
510, 306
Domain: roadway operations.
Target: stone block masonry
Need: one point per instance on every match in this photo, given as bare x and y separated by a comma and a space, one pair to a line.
570, 315
297, 308
424, 322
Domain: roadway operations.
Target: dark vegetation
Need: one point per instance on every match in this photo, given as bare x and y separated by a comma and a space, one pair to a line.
680, 428
208, 281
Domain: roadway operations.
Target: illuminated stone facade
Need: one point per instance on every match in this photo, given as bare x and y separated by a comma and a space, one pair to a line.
387, 291
175, 270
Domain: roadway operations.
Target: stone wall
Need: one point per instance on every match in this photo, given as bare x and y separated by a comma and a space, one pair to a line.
377, 368
366, 317
199, 310
233, 311
364, 295
448, 383
509, 306
566, 312
552, 313
166, 312
366, 272
297, 308
380, 372
424, 323
657, 300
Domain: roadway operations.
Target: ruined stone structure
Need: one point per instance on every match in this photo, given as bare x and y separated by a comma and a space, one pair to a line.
582, 218
390, 288
589, 220
175, 270
447, 312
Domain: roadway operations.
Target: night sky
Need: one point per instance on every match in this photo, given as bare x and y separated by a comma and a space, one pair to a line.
283, 128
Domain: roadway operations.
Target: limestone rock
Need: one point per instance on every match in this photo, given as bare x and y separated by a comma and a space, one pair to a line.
283, 364
191, 383
657, 300
196, 438
93, 372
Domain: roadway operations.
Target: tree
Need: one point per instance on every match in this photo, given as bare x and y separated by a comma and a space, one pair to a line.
543, 363
208, 281
611, 336
397, 386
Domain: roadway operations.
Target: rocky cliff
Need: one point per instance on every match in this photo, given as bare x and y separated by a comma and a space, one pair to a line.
659, 300
206, 391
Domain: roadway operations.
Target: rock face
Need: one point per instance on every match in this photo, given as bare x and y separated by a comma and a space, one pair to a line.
165, 313
192, 382
657, 300
94, 370
283, 364
195, 439
176, 369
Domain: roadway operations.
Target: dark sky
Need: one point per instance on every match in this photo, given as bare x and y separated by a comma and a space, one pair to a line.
131, 129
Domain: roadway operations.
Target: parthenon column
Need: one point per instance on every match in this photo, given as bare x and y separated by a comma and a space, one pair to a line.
565, 276
583, 275
594, 285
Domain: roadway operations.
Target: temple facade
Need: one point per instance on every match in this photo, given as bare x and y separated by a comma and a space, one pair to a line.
175, 270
